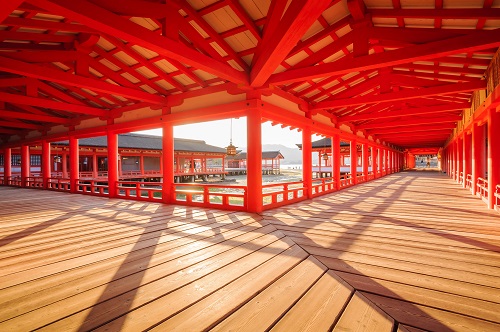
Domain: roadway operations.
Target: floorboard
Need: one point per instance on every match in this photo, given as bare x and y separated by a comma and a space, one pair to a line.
409, 252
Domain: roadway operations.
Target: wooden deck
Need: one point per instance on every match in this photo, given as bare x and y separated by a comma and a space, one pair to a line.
409, 252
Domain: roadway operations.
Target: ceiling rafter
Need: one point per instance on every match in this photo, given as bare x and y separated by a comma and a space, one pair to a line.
112, 24
51, 104
403, 95
428, 51
297, 19
448, 13
58, 76
406, 112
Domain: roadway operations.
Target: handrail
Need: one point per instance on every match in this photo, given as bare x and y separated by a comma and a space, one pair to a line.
323, 186
34, 182
497, 197
58, 184
468, 181
482, 188
282, 193
139, 190
91, 187
211, 195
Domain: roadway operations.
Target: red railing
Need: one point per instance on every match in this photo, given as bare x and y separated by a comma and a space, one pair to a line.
468, 181
360, 177
145, 191
482, 189
15, 181
34, 182
497, 198
322, 186
371, 176
58, 184
345, 180
461, 178
213, 196
91, 187
279, 194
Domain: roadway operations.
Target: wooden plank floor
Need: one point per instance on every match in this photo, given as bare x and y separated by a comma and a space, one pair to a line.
408, 252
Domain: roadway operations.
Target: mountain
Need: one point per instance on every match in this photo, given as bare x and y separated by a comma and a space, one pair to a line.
292, 155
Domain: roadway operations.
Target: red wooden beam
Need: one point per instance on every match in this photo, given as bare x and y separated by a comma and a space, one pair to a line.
450, 13
32, 117
403, 95
298, 18
405, 112
411, 129
58, 76
476, 40
21, 125
112, 24
7, 7
415, 122
40, 102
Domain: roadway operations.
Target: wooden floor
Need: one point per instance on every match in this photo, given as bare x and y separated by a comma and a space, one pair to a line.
409, 252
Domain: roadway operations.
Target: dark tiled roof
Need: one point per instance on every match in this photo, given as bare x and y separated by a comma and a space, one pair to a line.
149, 142
265, 155
323, 143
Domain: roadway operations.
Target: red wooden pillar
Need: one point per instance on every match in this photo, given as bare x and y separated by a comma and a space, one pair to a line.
353, 149
64, 161
319, 165
365, 160
374, 162
46, 161
460, 150
379, 163
74, 163
336, 160
466, 157
254, 161
478, 155
307, 161
493, 155
141, 164
25, 164
168, 163
113, 162
7, 165
94, 165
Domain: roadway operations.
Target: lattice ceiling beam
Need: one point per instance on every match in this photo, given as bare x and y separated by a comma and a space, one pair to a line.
112, 24
476, 40
449, 13
403, 95
406, 112
297, 19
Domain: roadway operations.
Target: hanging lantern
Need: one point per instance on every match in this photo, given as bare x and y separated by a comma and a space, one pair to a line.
325, 156
231, 149
57, 159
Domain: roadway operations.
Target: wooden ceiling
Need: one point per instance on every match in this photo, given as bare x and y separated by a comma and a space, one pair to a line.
402, 71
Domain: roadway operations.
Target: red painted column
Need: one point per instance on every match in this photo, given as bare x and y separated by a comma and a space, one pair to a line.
95, 167
46, 161
336, 160
493, 155
254, 161
379, 162
64, 161
25, 164
478, 155
460, 156
466, 158
374, 162
168, 163
307, 161
365, 161
74, 171
7, 165
353, 150
112, 163
141, 164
